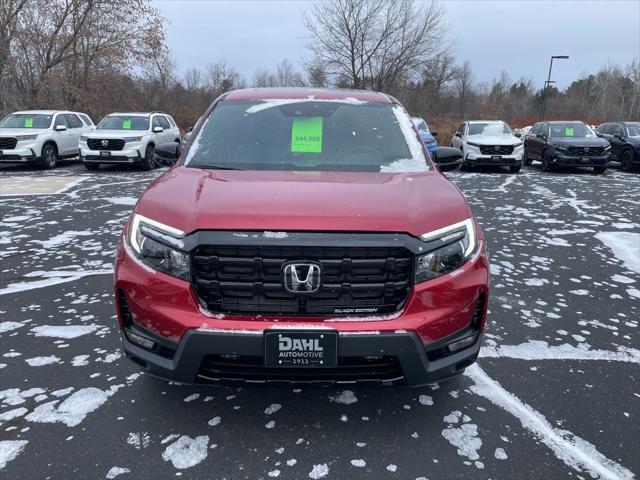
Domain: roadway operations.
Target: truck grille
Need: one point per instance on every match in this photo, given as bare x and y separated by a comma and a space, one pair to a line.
237, 369
8, 143
112, 143
585, 151
496, 149
248, 279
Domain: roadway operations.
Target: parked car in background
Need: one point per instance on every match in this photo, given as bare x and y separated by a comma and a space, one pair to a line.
127, 138
624, 138
566, 144
488, 143
41, 137
428, 137
303, 240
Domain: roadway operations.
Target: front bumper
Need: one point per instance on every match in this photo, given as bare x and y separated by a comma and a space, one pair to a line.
127, 155
575, 161
493, 160
18, 155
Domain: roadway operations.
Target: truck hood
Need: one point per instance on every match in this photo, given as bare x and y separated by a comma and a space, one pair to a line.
15, 132
579, 141
494, 139
116, 133
193, 199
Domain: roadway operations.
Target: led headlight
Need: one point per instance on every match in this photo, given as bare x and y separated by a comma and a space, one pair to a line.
158, 246
474, 145
132, 139
22, 138
607, 149
83, 138
561, 148
452, 246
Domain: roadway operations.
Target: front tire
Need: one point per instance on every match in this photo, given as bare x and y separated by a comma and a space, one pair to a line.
626, 160
91, 166
149, 162
515, 168
49, 156
599, 170
527, 160
546, 161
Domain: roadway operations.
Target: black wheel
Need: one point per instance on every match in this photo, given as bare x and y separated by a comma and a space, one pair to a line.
515, 168
626, 160
546, 161
527, 160
149, 162
599, 170
49, 156
91, 166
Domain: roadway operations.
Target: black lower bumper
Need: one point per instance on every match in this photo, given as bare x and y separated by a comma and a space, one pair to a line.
573, 161
207, 357
493, 162
121, 159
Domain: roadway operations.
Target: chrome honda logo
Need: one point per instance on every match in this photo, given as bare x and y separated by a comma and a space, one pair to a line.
302, 277
496, 148
105, 143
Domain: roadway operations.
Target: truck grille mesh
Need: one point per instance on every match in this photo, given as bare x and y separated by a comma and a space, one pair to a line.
248, 279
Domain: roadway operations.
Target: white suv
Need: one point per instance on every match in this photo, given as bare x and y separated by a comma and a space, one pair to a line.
42, 136
488, 143
127, 138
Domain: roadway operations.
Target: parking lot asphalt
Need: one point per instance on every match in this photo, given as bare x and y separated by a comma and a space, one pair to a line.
555, 394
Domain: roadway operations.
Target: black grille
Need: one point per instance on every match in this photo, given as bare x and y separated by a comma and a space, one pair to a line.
236, 368
496, 149
248, 279
8, 143
112, 143
585, 151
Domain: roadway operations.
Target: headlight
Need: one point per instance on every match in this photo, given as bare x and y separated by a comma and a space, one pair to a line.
471, 144
132, 139
607, 148
83, 138
518, 145
561, 148
150, 242
452, 246
22, 138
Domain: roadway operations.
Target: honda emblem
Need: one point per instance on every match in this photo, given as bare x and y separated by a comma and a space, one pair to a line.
302, 277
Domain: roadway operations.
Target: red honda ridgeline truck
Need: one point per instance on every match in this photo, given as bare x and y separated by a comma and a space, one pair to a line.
303, 235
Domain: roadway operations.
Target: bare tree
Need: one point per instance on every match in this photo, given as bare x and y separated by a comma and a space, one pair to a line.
463, 85
374, 44
221, 77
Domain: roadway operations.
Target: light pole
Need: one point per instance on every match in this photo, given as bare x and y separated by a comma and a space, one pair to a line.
547, 83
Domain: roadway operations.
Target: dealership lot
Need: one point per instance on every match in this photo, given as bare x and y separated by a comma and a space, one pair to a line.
555, 393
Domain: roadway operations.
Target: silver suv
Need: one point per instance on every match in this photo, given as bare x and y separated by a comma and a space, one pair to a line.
42, 136
127, 138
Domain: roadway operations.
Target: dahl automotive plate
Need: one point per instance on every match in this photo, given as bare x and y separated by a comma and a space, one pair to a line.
299, 348
496, 157
105, 153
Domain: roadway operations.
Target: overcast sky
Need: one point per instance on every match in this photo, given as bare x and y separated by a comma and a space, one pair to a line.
517, 36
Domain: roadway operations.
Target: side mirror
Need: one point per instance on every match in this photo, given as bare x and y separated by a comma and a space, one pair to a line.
517, 134
167, 153
434, 133
458, 134
189, 129
158, 129
61, 128
447, 158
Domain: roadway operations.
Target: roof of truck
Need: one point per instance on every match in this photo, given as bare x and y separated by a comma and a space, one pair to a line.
295, 93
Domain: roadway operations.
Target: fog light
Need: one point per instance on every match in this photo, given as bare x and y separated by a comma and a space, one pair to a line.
140, 340
460, 344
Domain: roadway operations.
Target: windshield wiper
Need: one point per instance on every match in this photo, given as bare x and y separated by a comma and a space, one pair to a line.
213, 167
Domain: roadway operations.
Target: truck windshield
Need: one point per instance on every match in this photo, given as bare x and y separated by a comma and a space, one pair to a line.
315, 135
570, 130
124, 122
26, 120
493, 129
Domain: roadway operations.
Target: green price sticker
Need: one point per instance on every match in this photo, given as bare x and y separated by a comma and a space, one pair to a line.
126, 124
306, 135
28, 122
568, 132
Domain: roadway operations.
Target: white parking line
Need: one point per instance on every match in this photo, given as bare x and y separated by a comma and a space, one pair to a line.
571, 449
62, 277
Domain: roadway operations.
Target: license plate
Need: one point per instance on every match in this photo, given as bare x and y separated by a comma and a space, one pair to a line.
496, 157
105, 153
298, 348
585, 159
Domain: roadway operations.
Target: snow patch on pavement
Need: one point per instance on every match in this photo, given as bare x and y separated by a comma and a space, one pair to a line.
63, 331
10, 449
187, 452
625, 246
346, 397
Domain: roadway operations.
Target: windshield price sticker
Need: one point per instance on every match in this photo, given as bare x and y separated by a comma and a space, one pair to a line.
126, 124
306, 135
28, 122
568, 132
